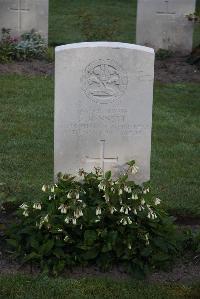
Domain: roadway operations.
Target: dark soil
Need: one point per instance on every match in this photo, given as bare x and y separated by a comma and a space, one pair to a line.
187, 271
176, 70
187, 221
171, 70
35, 67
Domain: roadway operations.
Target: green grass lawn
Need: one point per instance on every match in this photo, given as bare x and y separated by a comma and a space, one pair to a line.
176, 147
67, 20
113, 20
26, 140
22, 287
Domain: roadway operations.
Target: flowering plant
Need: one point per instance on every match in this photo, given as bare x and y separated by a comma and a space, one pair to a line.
95, 219
7, 46
195, 17
31, 45
28, 46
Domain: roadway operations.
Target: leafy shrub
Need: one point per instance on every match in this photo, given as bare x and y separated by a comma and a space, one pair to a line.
30, 45
95, 219
195, 17
7, 46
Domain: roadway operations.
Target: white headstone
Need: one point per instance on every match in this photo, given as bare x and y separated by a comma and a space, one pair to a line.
103, 107
163, 24
24, 15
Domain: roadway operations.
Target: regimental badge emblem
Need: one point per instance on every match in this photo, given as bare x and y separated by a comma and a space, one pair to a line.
104, 81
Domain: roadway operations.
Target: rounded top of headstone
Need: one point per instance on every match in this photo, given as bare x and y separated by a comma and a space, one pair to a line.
114, 45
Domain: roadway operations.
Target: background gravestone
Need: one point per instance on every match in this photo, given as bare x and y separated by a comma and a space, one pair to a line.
103, 106
162, 24
24, 15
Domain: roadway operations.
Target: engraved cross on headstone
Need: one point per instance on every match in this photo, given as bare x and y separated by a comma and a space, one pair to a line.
167, 10
19, 10
102, 160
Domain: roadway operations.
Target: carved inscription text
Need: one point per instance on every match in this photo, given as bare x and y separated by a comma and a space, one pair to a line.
166, 11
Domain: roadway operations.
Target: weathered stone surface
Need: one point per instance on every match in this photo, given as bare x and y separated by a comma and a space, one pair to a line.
103, 106
163, 24
24, 15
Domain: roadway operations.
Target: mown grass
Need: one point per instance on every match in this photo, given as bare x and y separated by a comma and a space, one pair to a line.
26, 140
67, 20
176, 146
113, 20
24, 287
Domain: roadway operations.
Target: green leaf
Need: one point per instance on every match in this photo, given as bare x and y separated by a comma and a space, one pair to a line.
90, 237
108, 175
58, 252
59, 266
160, 243
47, 247
146, 251
124, 178
12, 243
112, 236
32, 256
161, 257
34, 243
131, 163
90, 254
107, 247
